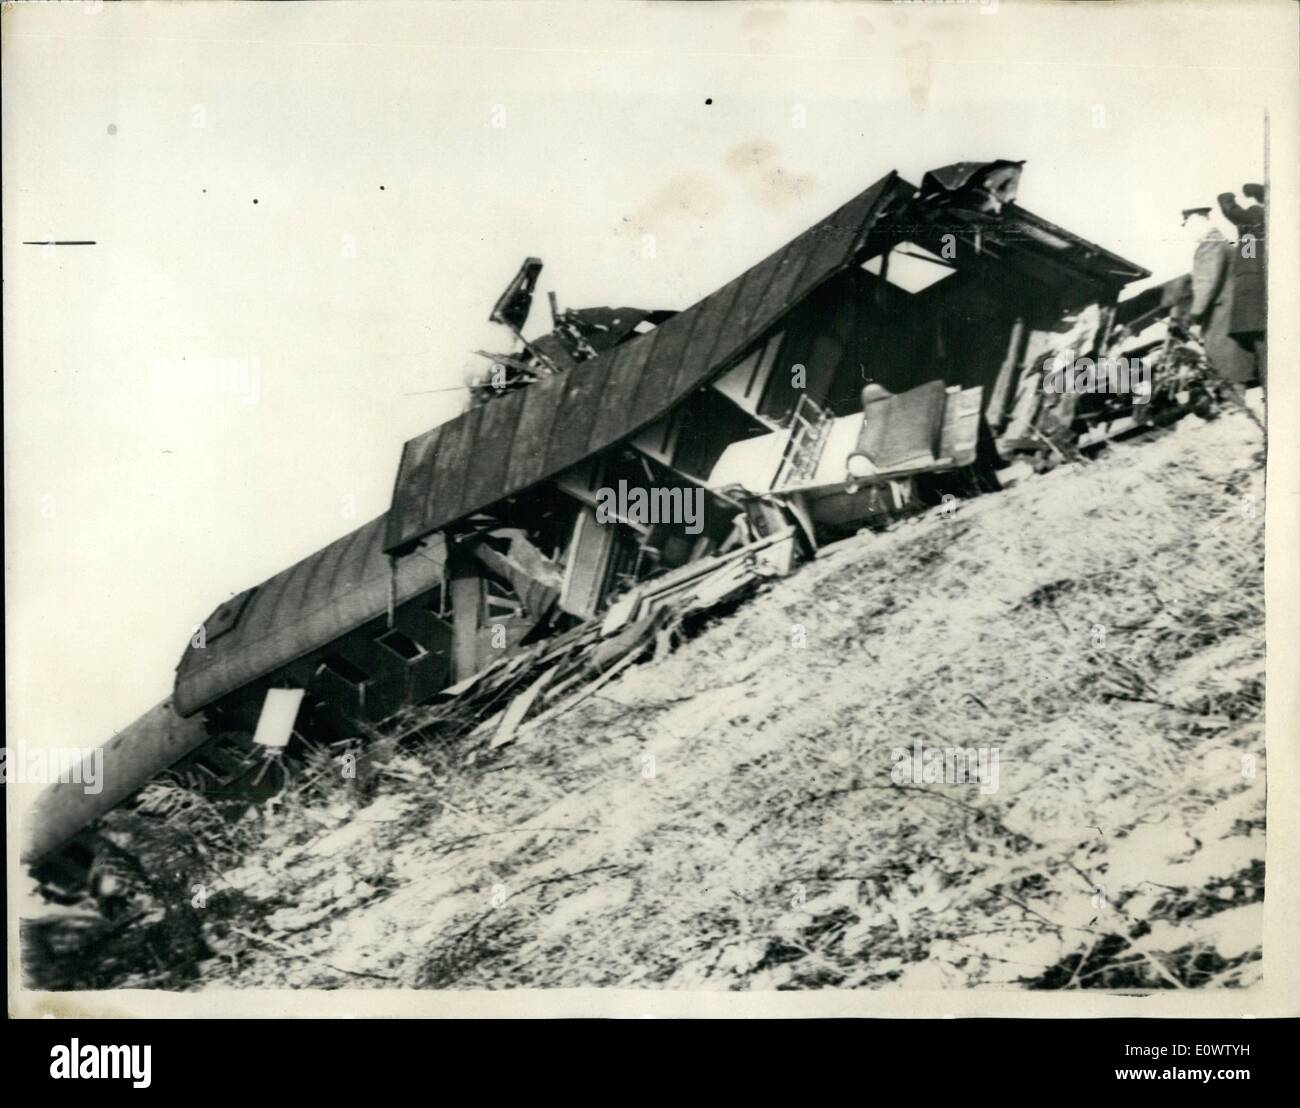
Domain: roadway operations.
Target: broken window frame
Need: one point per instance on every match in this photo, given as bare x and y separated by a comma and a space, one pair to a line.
659, 440
754, 369
909, 261
346, 671
396, 633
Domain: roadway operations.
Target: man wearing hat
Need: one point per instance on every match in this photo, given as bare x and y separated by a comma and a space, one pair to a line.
1248, 322
1212, 297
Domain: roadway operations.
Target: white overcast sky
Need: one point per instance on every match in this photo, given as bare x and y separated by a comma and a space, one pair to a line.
390, 212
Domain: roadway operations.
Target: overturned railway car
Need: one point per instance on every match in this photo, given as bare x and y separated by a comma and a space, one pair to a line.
874, 362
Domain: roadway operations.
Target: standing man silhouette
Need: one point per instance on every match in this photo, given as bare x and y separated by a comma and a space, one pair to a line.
1248, 323
1212, 297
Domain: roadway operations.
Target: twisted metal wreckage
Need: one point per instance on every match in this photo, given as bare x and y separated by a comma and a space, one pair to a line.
887, 357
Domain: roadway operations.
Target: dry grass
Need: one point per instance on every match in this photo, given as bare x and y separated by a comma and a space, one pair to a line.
725, 817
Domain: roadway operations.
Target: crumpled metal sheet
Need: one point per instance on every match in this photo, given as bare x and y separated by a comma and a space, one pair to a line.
599, 329
978, 198
986, 186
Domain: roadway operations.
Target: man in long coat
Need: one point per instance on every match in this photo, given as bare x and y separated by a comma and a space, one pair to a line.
1248, 323
1212, 299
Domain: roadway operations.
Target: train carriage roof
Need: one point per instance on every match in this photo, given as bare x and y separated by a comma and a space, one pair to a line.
517, 440
301, 609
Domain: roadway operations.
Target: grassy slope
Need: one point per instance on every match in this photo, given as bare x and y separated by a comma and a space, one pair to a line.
724, 817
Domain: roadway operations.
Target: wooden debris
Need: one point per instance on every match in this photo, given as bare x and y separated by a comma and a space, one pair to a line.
518, 709
513, 695
581, 694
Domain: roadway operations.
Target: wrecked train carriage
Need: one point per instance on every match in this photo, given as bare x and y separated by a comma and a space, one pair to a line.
1108, 373
364, 635
954, 285
322, 625
904, 452
495, 536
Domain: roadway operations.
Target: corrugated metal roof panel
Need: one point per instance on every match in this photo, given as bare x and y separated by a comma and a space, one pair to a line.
1021, 223
576, 415
528, 451
676, 365
628, 387
711, 315
459, 443
489, 466
794, 262
621, 381
738, 323
414, 473
321, 598
223, 619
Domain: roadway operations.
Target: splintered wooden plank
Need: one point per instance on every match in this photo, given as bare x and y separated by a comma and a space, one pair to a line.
467, 601
519, 707
586, 565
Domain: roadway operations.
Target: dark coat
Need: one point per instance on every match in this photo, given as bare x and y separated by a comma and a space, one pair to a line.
1249, 303
1212, 296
